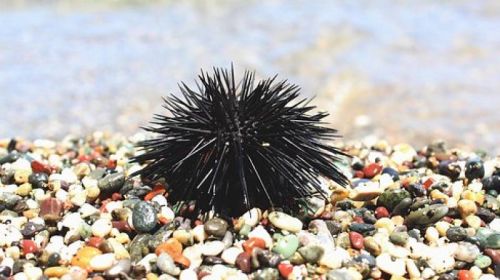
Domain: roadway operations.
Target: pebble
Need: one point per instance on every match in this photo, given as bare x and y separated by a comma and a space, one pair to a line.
212, 248
229, 255
216, 227
357, 240
243, 262
467, 252
311, 253
395, 267
144, 217
102, 262
456, 234
166, 264
120, 267
101, 227
285, 222
286, 246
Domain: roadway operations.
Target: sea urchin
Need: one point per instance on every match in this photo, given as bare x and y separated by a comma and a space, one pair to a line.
234, 146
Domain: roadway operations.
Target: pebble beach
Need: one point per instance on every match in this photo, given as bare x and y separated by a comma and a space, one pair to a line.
71, 210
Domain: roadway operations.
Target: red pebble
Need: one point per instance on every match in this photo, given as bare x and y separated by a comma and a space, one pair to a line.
253, 242
357, 240
285, 269
121, 226
381, 212
372, 169
465, 275
428, 183
29, 246
51, 209
95, 241
39, 167
359, 174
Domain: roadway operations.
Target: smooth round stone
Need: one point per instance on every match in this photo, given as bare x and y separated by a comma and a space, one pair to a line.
101, 227
122, 266
455, 234
387, 265
285, 222
392, 197
102, 262
474, 169
343, 274
286, 246
391, 172
482, 261
399, 238
55, 271
216, 227
166, 264
244, 262
493, 254
402, 207
212, 248
230, 254
251, 217
54, 259
365, 192
427, 215
356, 239
311, 253
467, 252
144, 217
112, 182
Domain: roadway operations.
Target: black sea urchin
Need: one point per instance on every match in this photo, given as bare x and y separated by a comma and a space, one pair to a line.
230, 147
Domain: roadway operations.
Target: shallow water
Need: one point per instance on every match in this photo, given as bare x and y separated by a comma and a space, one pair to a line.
408, 71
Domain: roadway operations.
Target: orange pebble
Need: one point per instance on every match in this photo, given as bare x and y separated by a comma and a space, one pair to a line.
465, 275
253, 242
172, 247
157, 190
182, 261
83, 257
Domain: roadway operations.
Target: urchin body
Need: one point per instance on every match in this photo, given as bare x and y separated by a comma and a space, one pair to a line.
232, 146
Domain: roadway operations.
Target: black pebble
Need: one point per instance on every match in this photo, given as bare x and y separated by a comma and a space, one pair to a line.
474, 169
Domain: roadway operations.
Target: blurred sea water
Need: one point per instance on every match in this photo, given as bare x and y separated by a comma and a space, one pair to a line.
406, 71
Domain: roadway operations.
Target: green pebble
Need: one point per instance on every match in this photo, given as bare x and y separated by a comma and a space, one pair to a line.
399, 238
493, 241
482, 261
312, 253
286, 246
245, 230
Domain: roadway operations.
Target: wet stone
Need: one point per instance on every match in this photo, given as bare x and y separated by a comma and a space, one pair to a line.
144, 217
427, 215
243, 262
399, 238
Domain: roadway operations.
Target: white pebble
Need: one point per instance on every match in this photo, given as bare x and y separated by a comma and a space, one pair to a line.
432, 235
212, 248
229, 255
251, 217
102, 262
101, 227
386, 264
285, 221
188, 274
